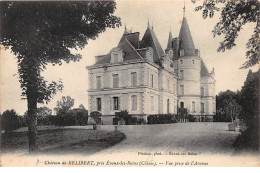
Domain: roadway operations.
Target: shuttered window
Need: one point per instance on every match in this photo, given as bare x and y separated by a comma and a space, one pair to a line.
98, 82
134, 79
98, 104
181, 74
134, 102
182, 90
116, 103
193, 106
202, 107
115, 81
202, 91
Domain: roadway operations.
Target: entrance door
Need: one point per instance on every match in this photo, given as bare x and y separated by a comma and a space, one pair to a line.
182, 104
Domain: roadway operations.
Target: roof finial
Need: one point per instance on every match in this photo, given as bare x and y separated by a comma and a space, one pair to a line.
184, 8
170, 28
148, 22
125, 27
152, 25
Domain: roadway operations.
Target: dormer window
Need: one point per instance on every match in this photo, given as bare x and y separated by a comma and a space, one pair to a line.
116, 55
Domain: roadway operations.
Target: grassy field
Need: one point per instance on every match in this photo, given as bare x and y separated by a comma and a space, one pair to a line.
62, 141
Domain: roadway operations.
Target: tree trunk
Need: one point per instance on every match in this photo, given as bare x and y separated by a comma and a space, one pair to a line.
32, 123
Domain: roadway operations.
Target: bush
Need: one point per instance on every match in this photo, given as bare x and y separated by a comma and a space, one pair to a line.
96, 116
191, 118
10, 121
70, 118
124, 115
161, 119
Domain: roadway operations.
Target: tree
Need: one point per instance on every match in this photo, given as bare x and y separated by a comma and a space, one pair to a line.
65, 104
234, 15
43, 112
39, 33
232, 109
250, 98
220, 104
249, 139
9, 120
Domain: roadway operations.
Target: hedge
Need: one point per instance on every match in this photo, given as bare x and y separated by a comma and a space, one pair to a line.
162, 119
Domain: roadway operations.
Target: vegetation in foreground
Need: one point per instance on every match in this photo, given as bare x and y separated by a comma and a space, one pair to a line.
62, 141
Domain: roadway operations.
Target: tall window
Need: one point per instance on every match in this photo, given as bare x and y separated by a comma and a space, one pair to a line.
116, 103
182, 89
193, 106
98, 104
98, 82
134, 102
133, 78
152, 103
181, 74
115, 81
202, 91
152, 80
202, 107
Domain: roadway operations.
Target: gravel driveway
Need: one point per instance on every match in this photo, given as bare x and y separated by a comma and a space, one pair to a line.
200, 138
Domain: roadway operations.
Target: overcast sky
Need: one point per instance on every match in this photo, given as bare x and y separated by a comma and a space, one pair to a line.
163, 15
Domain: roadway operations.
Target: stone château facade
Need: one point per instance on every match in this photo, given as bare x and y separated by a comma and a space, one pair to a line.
139, 76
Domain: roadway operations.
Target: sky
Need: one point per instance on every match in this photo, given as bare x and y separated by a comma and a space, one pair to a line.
165, 16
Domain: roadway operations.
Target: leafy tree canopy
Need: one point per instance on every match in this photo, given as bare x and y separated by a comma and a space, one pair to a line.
234, 15
65, 104
39, 33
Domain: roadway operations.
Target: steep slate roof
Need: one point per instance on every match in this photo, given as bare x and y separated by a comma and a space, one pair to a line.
150, 40
169, 45
204, 71
129, 53
122, 38
186, 38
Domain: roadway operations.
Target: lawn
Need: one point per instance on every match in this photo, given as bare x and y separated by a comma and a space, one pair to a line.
62, 141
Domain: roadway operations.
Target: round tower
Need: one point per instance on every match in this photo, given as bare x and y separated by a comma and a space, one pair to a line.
188, 68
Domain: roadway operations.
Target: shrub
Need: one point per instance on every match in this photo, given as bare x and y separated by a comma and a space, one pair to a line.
96, 116
191, 118
10, 120
161, 119
124, 115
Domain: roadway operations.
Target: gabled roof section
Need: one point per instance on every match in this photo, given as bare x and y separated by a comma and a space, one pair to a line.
169, 45
204, 71
129, 52
186, 38
150, 40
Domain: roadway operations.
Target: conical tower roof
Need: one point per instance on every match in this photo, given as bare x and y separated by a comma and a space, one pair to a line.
150, 40
125, 32
169, 45
186, 38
